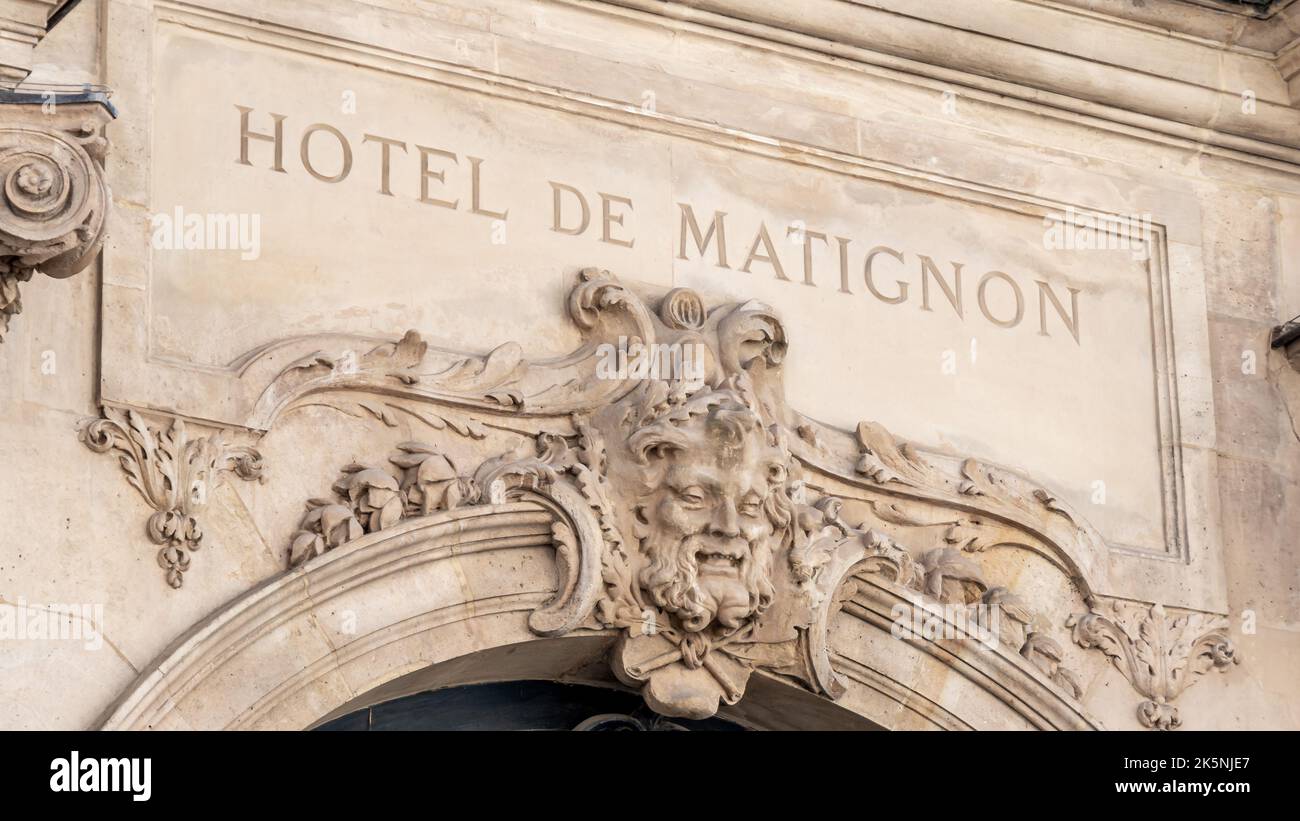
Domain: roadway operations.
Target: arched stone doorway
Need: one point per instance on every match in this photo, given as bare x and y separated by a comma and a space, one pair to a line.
445, 601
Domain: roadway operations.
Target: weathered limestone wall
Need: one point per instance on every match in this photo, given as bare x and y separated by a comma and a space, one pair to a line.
75, 529
48, 554
1258, 443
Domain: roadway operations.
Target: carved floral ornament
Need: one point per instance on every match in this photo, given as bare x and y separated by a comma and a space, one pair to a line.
53, 197
1160, 655
174, 473
711, 528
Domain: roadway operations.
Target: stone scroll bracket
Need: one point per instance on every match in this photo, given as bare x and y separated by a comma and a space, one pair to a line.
54, 200
174, 472
1161, 654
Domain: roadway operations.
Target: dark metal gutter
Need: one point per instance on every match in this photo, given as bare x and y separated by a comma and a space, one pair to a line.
45, 94
1286, 333
60, 13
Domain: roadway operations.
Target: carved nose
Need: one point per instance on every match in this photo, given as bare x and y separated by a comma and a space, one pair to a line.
725, 521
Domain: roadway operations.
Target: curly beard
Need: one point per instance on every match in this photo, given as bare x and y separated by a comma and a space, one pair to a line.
699, 596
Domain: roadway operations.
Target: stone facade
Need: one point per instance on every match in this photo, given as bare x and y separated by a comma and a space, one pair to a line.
891, 364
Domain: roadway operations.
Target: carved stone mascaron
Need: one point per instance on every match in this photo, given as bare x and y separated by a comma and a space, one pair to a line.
688, 517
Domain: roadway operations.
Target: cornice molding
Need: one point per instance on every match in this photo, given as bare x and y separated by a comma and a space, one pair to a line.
1089, 64
23, 24
1228, 24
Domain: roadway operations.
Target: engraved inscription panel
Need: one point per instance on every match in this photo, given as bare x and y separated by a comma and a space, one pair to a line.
299, 195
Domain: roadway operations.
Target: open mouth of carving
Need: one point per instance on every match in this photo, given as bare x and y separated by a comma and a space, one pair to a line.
714, 562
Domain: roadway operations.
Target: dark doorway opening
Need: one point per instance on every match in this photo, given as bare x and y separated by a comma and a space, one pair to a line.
519, 705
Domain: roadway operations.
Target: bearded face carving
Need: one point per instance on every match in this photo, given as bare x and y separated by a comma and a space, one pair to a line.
710, 510
705, 521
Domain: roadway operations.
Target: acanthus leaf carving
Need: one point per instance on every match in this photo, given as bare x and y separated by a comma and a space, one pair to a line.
1015, 617
1046, 654
950, 576
371, 498
500, 381
326, 526
1001, 486
883, 459
1160, 655
968, 533
174, 473
391, 413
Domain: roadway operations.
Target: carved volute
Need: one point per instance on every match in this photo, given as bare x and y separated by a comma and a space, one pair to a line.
54, 201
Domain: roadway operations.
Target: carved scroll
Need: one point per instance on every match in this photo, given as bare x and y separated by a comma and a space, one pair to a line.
1159, 654
174, 473
54, 201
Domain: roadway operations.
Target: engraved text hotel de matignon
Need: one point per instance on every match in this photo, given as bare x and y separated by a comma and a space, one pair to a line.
792, 252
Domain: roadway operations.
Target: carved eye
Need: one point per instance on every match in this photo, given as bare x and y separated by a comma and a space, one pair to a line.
750, 507
691, 496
